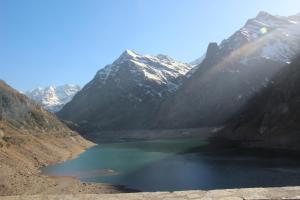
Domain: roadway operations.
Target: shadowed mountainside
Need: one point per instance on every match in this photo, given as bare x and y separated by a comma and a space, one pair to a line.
125, 94
216, 91
233, 72
273, 116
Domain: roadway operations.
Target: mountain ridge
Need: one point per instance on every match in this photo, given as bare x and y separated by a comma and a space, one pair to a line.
157, 92
132, 85
53, 98
231, 73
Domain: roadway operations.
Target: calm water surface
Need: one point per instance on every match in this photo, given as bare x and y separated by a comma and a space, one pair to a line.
168, 165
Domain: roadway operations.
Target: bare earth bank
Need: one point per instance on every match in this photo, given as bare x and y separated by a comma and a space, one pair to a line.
21, 156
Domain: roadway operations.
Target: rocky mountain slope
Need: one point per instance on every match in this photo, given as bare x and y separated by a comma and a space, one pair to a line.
18, 111
232, 73
30, 138
146, 92
53, 98
269, 36
272, 118
126, 93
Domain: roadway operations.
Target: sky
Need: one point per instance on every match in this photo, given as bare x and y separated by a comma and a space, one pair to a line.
55, 42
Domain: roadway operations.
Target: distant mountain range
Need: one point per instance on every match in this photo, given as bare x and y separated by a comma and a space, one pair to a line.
146, 92
53, 98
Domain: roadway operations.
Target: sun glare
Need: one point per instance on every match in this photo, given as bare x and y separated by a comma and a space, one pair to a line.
263, 30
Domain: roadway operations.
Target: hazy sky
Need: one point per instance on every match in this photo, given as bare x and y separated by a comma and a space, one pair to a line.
45, 42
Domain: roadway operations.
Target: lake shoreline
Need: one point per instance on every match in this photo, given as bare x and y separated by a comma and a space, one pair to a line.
90, 187
212, 157
112, 188
20, 168
116, 136
215, 135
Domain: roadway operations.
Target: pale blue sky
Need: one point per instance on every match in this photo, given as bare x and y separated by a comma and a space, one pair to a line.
45, 42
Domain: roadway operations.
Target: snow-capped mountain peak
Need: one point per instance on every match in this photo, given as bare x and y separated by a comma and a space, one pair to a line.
266, 36
157, 75
128, 54
126, 90
160, 69
53, 98
273, 37
262, 24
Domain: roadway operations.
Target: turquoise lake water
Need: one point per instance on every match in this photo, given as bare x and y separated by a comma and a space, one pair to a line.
176, 164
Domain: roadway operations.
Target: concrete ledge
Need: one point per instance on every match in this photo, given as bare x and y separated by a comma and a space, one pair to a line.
230, 194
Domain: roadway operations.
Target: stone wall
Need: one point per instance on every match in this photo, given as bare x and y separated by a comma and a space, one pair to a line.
231, 194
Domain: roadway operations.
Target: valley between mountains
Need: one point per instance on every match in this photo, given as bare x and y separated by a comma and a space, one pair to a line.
143, 92
245, 89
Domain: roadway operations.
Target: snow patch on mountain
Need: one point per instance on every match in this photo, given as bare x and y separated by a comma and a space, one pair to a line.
269, 36
277, 36
161, 70
53, 98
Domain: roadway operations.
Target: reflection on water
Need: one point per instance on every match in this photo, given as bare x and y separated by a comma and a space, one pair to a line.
163, 165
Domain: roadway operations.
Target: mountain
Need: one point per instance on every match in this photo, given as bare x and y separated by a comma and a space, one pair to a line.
30, 138
145, 92
53, 98
272, 117
275, 36
198, 61
125, 94
22, 113
268, 36
232, 73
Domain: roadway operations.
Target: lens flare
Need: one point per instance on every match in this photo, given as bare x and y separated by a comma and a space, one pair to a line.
263, 30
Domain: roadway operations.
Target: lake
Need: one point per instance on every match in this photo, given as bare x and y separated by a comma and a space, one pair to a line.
178, 164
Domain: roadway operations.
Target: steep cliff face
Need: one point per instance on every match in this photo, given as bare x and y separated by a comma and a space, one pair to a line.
272, 117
